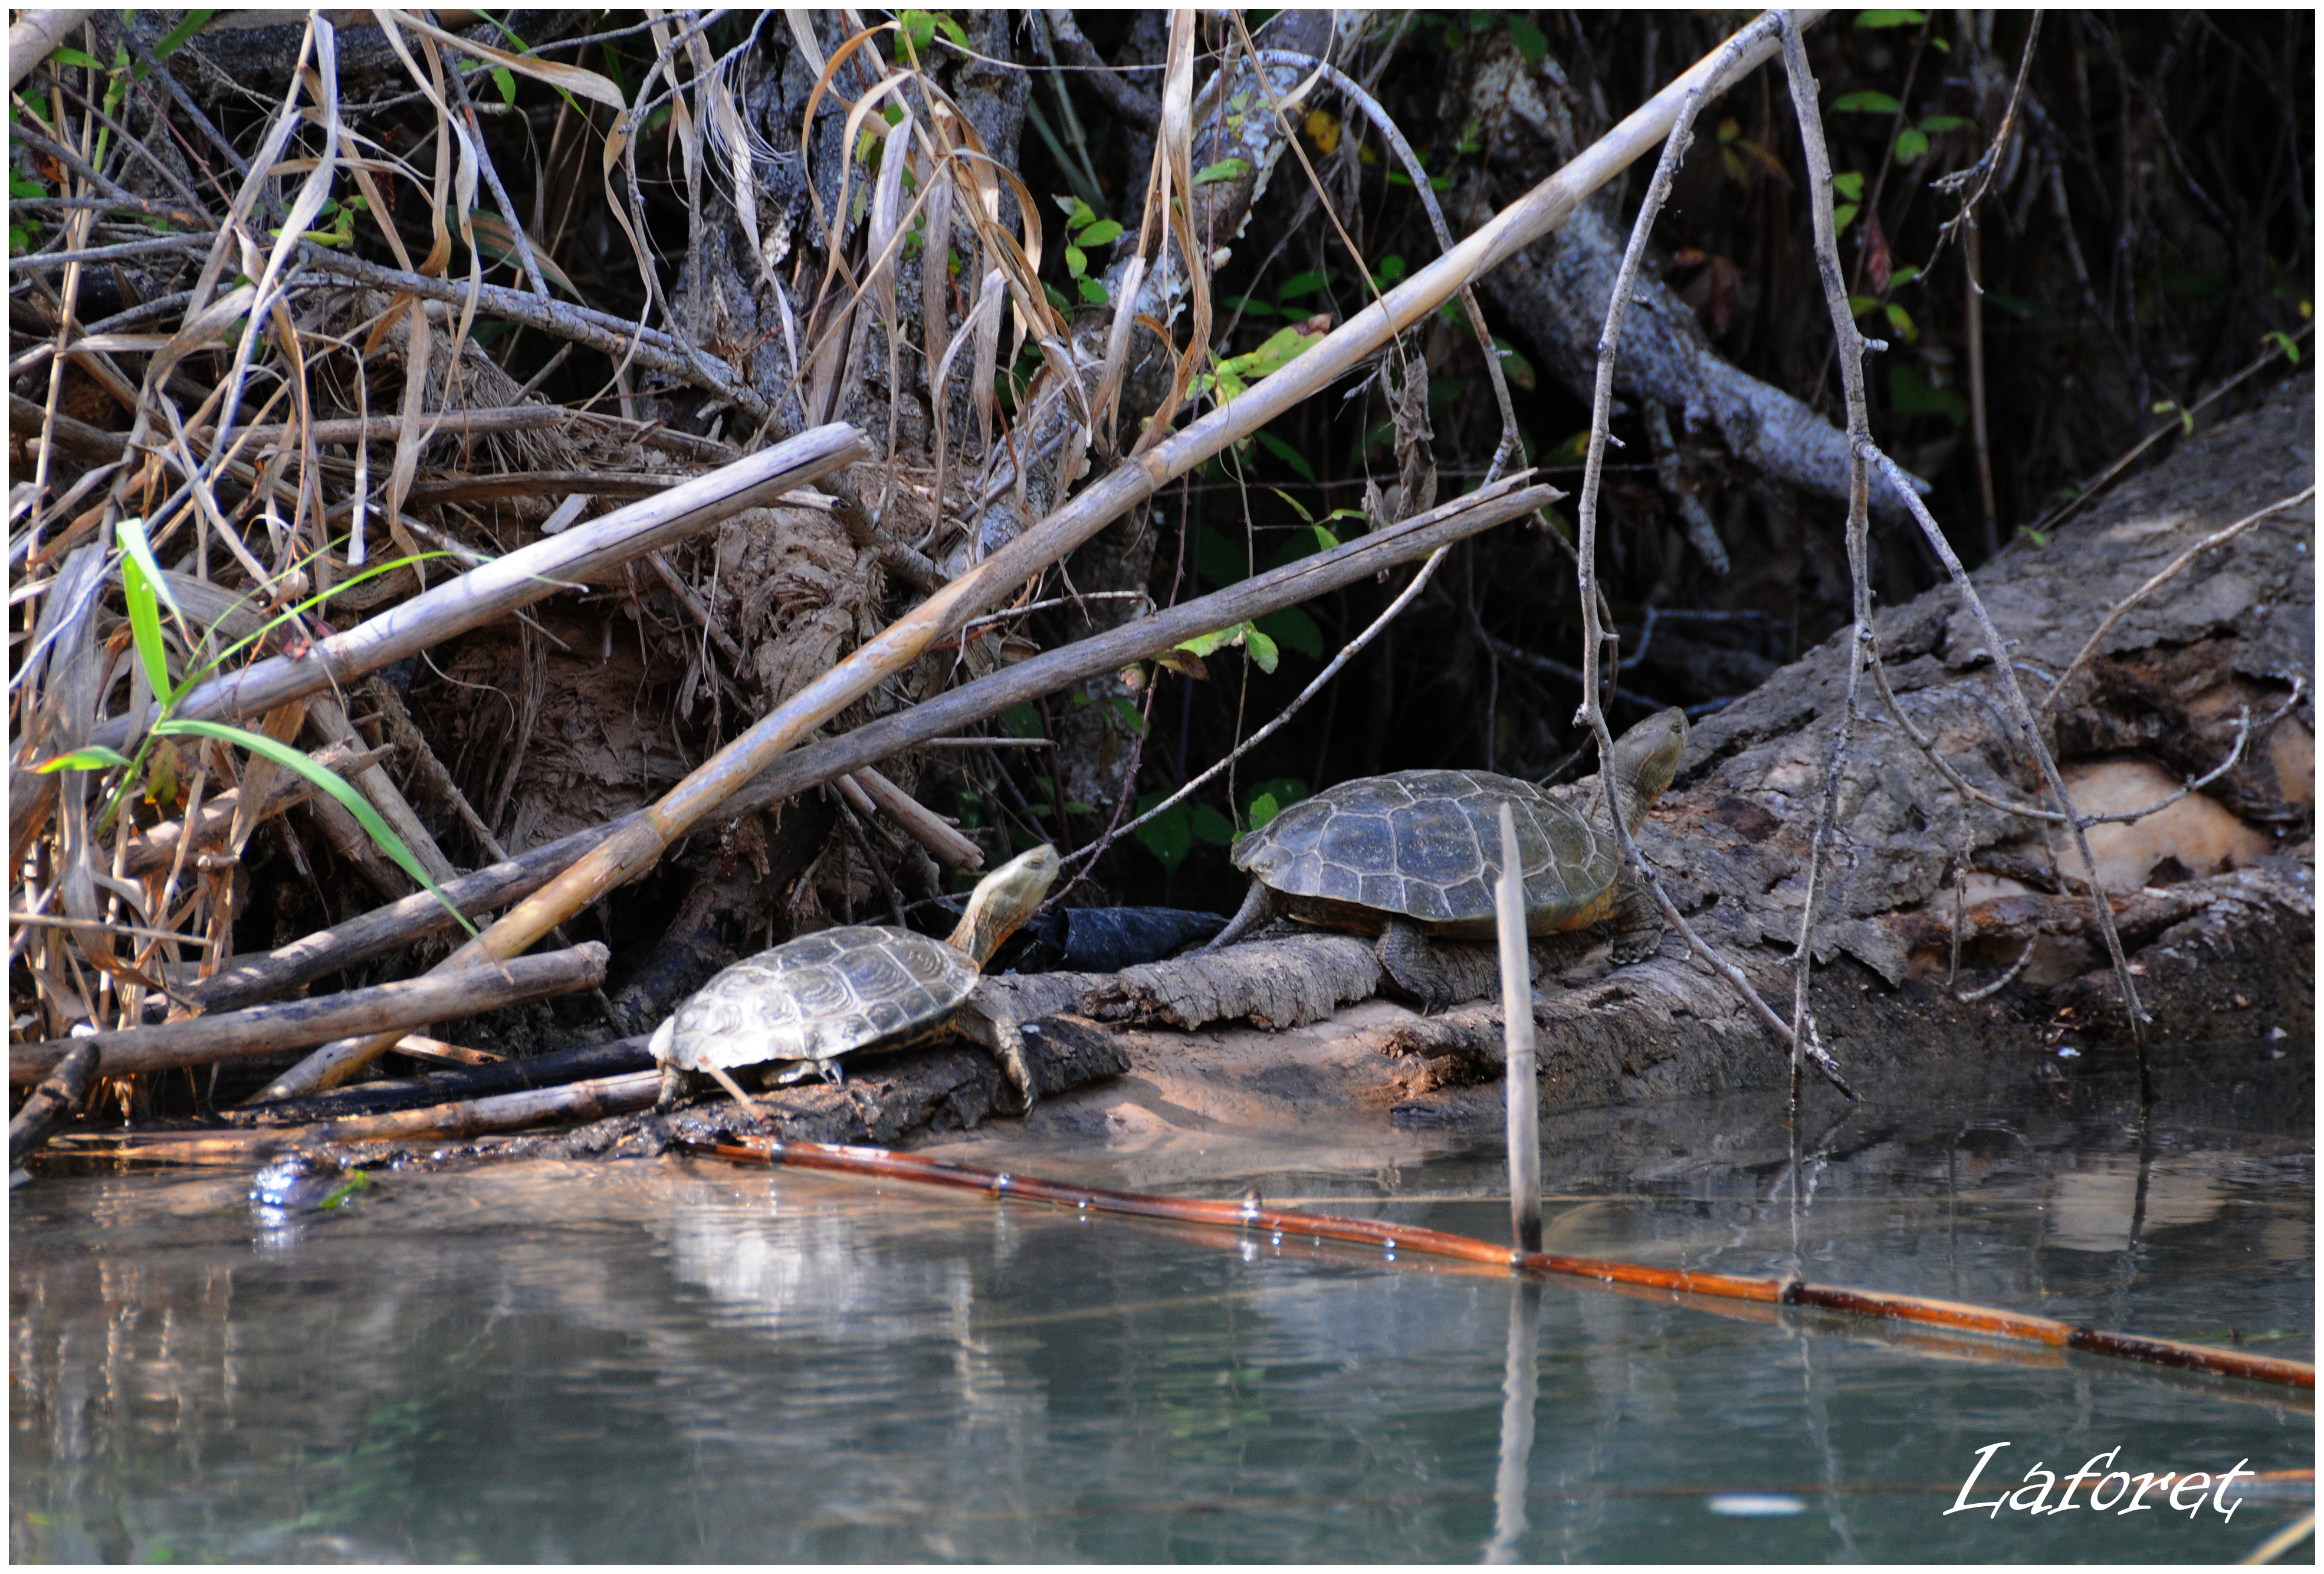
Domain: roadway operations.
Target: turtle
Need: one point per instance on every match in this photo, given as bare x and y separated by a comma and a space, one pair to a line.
1414, 856
807, 1001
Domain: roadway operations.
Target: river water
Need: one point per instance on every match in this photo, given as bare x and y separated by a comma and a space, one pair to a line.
678, 1359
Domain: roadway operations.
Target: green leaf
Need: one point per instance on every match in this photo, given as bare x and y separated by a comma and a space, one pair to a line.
1531, 42
1056, 296
73, 57
1022, 721
1247, 305
1285, 346
1850, 183
1224, 169
1300, 284
1390, 272
1167, 836
1294, 628
1867, 102
1287, 454
1105, 232
1935, 124
1095, 292
1082, 217
1911, 394
1304, 542
1910, 144
1858, 305
175, 39
19, 187
2284, 342
1890, 18
1901, 321
330, 781
1076, 261
1210, 826
920, 29
505, 81
1262, 649
1514, 367
96, 757
1220, 560
1842, 216
1902, 275
1271, 798
140, 587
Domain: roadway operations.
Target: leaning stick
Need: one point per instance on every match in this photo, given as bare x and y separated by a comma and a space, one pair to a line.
1516, 1011
518, 578
393, 1008
1345, 350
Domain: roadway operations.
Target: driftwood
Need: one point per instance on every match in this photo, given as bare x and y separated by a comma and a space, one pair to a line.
263, 1030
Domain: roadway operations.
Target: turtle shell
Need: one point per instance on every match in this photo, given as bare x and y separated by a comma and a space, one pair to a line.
1426, 846
817, 997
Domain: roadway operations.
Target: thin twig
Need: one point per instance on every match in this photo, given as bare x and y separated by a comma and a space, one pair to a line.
1768, 25
1850, 347
2029, 727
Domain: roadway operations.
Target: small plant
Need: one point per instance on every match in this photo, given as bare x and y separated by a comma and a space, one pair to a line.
145, 592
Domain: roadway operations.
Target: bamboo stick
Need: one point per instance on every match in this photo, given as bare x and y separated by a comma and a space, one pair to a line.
394, 1008
1516, 1011
518, 578
1248, 1215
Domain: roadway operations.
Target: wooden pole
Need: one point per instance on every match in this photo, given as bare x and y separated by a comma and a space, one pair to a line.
1516, 1010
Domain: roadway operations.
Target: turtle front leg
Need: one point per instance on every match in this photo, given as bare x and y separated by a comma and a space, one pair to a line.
1006, 1040
1257, 906
1403, 950
1638, 921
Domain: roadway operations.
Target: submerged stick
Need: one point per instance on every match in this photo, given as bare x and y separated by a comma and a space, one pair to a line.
397, 1008
1246, 1215
1516, 1011
1340, 353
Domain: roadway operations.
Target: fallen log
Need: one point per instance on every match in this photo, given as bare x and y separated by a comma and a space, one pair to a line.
263, 1030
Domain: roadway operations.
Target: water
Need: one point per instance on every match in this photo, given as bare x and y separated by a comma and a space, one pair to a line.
666, 1360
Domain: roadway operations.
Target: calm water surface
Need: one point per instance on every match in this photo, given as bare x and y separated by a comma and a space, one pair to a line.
673, 1360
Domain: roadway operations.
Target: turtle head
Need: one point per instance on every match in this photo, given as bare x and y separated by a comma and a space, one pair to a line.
1002, 900
1645, 759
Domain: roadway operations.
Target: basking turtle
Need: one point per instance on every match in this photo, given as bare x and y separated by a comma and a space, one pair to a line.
864, 986
1415, 854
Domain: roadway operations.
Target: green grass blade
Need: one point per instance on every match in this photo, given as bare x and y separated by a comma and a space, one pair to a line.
330, 781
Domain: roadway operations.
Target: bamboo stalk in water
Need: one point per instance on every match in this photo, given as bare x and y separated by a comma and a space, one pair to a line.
1985, 1322
1516, 1010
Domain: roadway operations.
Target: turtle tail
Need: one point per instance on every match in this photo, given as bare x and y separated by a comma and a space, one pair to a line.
1256, 908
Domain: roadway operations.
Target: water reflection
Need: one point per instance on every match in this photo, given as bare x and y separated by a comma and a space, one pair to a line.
661, 1361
